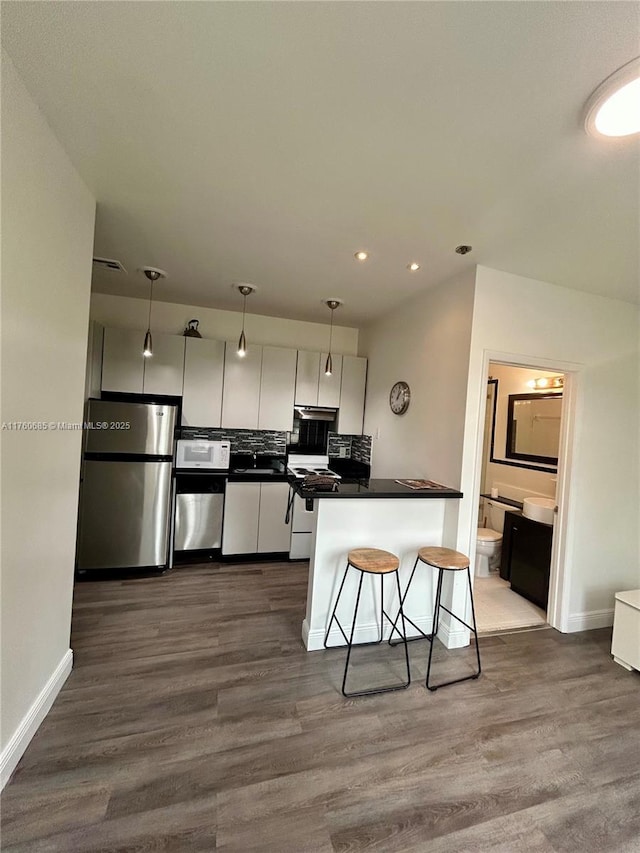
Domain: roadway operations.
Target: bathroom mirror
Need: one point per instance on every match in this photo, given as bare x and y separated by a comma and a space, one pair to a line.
533, 427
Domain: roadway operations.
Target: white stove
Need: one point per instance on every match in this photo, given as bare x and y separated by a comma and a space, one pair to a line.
300, 466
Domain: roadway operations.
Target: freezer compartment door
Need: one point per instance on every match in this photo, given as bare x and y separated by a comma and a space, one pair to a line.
124, 515
143, 428
198, 521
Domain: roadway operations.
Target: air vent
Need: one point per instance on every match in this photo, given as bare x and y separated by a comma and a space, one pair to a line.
109, 264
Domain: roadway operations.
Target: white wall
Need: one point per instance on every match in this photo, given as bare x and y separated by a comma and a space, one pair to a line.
426, 343
47, 239
539, 323
127, 313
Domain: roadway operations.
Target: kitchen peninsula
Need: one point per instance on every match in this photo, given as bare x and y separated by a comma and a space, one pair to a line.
373, 513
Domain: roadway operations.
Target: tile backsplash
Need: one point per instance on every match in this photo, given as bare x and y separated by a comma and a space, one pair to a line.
243, 440
356, 447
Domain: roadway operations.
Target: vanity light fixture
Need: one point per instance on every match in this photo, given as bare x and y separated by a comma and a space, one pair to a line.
614, 108
546, 382
332, 304
412, 267
153, 275
245, 290
361, 256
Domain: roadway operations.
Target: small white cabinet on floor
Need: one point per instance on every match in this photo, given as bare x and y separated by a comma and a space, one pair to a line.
254, 516
625, 643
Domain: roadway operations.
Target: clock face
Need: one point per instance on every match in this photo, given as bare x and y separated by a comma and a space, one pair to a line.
399, 398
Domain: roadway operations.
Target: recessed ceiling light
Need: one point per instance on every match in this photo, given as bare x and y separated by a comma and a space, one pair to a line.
413, 267
463, 249
361, 256
614, 108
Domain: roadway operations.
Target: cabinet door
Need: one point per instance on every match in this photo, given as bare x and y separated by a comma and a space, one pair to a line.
241, 511
307, 378
202, 390
354, 378
531, 560
329, 386
277, 389
273, 534
164, 370
122, 360
241, 394
93, 376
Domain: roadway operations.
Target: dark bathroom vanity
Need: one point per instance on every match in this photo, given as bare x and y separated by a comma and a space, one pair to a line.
526, 557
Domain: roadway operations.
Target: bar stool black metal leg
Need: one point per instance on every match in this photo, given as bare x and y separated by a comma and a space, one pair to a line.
404, 633
434, 623
421, 633
333, 615
475, 627
350, 642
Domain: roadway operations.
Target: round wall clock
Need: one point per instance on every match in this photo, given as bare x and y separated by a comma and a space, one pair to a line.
399, 398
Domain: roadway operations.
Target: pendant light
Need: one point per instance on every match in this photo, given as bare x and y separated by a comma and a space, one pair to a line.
153, 275
245, 290
332, 304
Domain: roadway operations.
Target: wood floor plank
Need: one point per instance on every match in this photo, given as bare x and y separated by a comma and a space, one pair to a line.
194, 720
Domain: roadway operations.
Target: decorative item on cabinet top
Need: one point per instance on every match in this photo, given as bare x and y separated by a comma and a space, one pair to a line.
191, 329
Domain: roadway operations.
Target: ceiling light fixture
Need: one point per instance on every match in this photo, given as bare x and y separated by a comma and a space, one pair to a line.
245, 290
614, 108
463, 249
332, 304
413, 267
153, 275
361, 256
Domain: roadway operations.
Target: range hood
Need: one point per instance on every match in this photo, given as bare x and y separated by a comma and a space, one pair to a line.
314, 413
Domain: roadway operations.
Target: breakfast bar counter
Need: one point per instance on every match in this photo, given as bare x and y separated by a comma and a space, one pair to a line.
372, 513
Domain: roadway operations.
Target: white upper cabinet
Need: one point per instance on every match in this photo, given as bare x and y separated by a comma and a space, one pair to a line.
354, 380
122, 360
277, 388
163, 371
241, 394
329, 386
307, 378
125, 369
202, 390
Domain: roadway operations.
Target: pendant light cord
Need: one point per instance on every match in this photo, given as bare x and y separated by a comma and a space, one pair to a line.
150, 302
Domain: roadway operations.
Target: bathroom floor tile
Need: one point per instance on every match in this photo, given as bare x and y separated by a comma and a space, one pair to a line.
498, 608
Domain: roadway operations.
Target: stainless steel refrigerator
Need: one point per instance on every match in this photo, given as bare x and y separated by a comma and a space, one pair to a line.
126, 489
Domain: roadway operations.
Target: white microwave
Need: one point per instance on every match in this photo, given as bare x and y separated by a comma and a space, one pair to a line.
203, 454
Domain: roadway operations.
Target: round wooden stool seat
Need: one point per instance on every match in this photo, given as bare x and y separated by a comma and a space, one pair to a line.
373, 560
444, 558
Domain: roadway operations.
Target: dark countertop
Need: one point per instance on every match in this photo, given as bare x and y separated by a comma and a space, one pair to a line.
373, 488
507, 501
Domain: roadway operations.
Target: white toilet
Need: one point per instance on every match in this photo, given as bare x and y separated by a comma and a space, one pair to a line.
489, 539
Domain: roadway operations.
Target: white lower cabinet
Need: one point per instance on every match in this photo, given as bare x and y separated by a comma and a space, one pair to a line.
254, 518
273, 533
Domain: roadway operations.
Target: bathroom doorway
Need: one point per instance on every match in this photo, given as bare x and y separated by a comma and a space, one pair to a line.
520, 457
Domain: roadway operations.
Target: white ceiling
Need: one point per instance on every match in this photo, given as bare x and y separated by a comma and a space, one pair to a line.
267, 142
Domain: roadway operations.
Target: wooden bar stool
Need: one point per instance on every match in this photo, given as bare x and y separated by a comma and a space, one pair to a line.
444, 560
371, 561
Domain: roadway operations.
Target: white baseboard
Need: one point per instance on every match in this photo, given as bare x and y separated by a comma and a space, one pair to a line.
15, 748
365, 633
589, 620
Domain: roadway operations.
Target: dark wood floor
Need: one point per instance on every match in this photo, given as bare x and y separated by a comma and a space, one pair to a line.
195, 721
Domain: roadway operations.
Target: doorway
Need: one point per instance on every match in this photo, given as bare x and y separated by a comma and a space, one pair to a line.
520, 458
